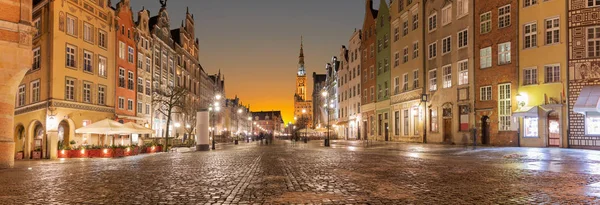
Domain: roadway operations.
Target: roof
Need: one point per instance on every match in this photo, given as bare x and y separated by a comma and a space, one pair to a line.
263, 114
175, 35
153, 20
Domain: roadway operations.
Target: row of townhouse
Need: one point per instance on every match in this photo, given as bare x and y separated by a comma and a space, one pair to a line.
92, 61
509, 72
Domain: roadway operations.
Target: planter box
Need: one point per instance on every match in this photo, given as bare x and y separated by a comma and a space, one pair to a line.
36, 154
19, 156
64, 153
153, 149
80, 153
95, 153
132, 151
118, 152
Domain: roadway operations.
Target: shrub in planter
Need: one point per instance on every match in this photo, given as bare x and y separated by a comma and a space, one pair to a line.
36, 154
19, 155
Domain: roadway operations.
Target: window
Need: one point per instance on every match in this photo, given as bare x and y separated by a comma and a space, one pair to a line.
552, 31
372, 69
400, 5
121, 77
447, 77
504, 106
37, 24
130, 80
593, 40
433, 80
21, 96
415, 22
148, 64
148, 89
397, 123
101, 38
71, 25
140, 85
530, 127
380, 91
592, 123
530, 76
130, 55
485, 25
88, 61
140, 107
396, 85
432, 22
102, 66
130, 104
463, 72
432, 50
70, 89
140, 61
434, 120
405, 82
36, 59
121, 50
462, 8
101, 95
88, 32
485, 93
504, 16
415, 50
386, 64
530, 35
87, 92
415, 79
405, 28
592, 3
121, 103
372, 51
396, 33
71, 55
372, 93
147, 109
405, 57
485, 57
463, 38
552, 73
530, 2
396, 59
386, 40
504, 53
35, 91
405, 122
447, 15
446, 45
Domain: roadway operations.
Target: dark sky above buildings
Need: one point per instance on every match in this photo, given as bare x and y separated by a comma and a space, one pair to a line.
255, 43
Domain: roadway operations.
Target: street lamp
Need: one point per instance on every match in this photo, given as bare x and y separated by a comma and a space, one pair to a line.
212, 109
325, 95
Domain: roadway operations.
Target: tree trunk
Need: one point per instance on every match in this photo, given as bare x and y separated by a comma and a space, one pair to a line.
167, 132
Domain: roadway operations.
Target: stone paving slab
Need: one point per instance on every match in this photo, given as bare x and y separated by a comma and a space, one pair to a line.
286, 173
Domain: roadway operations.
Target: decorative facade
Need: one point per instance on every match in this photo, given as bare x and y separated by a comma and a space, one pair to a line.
368, 80
353, 82
302, 106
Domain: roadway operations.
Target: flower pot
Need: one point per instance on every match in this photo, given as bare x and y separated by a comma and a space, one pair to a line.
36, 154
19, 155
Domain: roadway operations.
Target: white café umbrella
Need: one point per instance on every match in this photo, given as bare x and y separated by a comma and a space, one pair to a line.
139, 129
106, 127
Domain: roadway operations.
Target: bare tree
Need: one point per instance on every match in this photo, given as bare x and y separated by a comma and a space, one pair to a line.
168, 102
189, 110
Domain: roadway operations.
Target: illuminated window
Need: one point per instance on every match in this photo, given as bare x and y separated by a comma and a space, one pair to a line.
592, 125
531, 127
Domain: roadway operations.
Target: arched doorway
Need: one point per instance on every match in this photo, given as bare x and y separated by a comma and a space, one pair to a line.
485, 130
19, 141
64, 137
38, 146
553, 129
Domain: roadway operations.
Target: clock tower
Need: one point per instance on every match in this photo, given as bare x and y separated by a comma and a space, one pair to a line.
302, 106
301, 77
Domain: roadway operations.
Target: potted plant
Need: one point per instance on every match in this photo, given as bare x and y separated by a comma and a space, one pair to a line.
72, 143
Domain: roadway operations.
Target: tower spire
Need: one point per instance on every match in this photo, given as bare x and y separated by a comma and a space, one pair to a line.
301, 60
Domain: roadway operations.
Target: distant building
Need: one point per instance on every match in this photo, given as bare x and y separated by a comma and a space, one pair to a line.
267, 122
317, 99
354, 77
368, 81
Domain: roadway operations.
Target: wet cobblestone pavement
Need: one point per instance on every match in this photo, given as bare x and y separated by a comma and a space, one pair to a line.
286, 173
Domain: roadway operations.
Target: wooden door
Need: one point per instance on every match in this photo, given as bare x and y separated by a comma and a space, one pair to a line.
553, 130
448, 130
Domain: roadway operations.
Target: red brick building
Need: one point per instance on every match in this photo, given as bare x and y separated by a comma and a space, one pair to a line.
125, 72
496, 71
368, 80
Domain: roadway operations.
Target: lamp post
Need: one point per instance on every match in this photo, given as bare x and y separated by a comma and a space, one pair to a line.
306, 128
325, 95
214, 108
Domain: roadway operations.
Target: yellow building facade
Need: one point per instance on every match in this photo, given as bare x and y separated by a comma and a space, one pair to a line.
71, 82
541, 99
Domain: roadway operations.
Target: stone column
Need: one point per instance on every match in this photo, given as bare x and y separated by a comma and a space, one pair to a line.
202, 124
16, 59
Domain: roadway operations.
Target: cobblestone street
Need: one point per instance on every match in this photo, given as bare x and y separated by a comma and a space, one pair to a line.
346, 173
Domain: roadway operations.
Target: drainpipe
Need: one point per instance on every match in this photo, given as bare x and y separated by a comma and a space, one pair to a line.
423, 48
518, 73
568, 75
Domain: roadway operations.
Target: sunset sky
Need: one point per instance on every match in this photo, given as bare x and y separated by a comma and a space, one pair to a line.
256, 43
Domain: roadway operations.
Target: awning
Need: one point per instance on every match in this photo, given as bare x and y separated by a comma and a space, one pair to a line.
588, 100
529, 111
